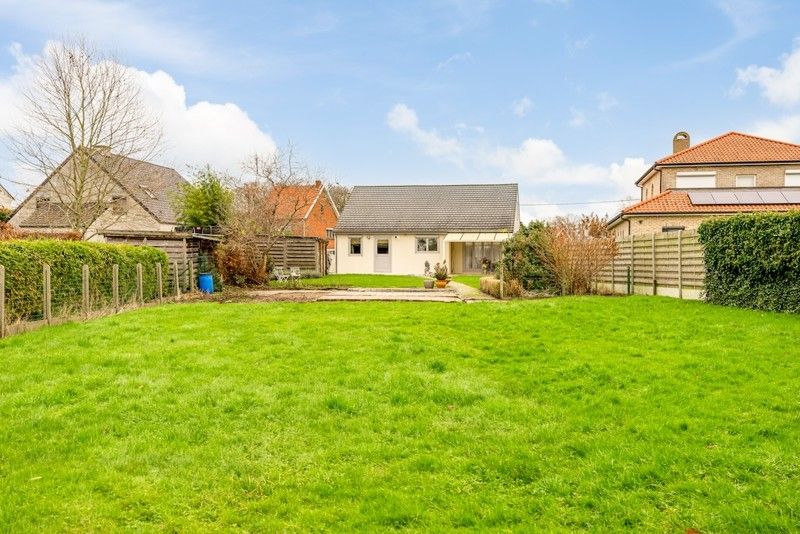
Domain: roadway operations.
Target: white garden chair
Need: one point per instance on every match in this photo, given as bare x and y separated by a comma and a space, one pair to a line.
294, 274
281, 275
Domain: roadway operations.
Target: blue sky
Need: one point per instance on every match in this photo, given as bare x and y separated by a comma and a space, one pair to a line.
572, 99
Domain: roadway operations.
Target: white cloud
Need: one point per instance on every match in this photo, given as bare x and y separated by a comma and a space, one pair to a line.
403, 119
606, 101
222, 135
455, 58
577, 118
748, 18
522, 106
785, 128
535, 163
151, 32
778, 85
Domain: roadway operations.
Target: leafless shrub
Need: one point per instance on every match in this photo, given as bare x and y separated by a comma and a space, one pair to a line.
574, 251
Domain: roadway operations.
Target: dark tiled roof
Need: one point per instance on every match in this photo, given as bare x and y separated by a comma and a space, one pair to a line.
153, 186
54, 215
430, 208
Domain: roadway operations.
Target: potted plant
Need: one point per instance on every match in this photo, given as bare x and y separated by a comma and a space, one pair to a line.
440, 274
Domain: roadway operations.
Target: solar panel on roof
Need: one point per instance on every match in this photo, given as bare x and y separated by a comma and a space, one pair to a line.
772, 197
748, 197
792, 196
724, 197
701, 197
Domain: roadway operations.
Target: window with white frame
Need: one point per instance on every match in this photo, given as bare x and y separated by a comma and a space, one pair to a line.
695, 180
427, 244
792, 178
745, 180
355, 246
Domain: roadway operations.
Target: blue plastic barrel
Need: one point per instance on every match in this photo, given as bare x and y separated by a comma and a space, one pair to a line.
206, 283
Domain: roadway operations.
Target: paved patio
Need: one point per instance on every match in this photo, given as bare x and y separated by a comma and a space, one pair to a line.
454, 292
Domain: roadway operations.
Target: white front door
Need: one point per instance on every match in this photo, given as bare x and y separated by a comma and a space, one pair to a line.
383, 255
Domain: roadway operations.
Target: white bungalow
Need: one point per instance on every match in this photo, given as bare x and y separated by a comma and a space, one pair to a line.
396, 229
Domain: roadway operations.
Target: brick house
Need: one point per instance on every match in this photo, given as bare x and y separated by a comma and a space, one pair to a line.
312, 211
729, 174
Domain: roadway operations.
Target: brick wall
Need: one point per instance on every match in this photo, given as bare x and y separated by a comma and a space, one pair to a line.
322, 217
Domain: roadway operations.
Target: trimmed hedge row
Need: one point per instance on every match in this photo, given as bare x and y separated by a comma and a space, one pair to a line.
753, 261
24, 261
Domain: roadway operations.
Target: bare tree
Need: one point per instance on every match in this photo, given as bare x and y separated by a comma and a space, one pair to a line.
83, 117
267, 205
339, 194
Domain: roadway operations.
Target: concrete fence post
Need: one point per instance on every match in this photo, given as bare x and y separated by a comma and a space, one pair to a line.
85, 290
46, 294
680, 264
139, 284
115, 286
160, 282
2, 301
653, 259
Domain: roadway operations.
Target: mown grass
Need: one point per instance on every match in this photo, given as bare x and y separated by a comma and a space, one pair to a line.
607, 414
357, 280
471, 280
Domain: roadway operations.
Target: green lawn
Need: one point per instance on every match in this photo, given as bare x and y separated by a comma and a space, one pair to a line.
360, 280
471, 280
607, 414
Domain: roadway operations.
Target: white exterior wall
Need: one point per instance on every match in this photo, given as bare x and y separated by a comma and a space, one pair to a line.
403, 249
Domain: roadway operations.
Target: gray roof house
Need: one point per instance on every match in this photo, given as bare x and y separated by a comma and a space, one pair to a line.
137, 198
398, 228
5, 198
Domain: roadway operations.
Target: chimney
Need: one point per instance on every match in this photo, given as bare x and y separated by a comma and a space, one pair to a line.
680, 142
317, 183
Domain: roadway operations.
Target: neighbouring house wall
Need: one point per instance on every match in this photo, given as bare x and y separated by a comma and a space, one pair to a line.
322, 217
405, 258
135, 217
648, 224
651, 187
5, 199
766, 175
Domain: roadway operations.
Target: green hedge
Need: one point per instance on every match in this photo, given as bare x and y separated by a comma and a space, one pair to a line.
753, 261
24, 261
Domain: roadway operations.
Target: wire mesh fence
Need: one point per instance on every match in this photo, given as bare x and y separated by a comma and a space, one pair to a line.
34, 297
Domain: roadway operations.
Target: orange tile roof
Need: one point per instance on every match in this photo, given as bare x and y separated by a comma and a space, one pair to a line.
294, 201
735, 147
670, 202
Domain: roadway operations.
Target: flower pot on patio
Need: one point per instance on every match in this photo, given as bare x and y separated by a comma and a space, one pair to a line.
428, 284
441, 284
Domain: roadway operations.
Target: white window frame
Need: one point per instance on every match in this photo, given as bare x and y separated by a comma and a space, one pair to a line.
792, 178
696, 180
749, 177
428, 239
350, 246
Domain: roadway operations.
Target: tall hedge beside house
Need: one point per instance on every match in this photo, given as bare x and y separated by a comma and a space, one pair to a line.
753, 261
24, 261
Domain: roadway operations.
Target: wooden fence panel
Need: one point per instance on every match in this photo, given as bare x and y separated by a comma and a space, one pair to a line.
669, 264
